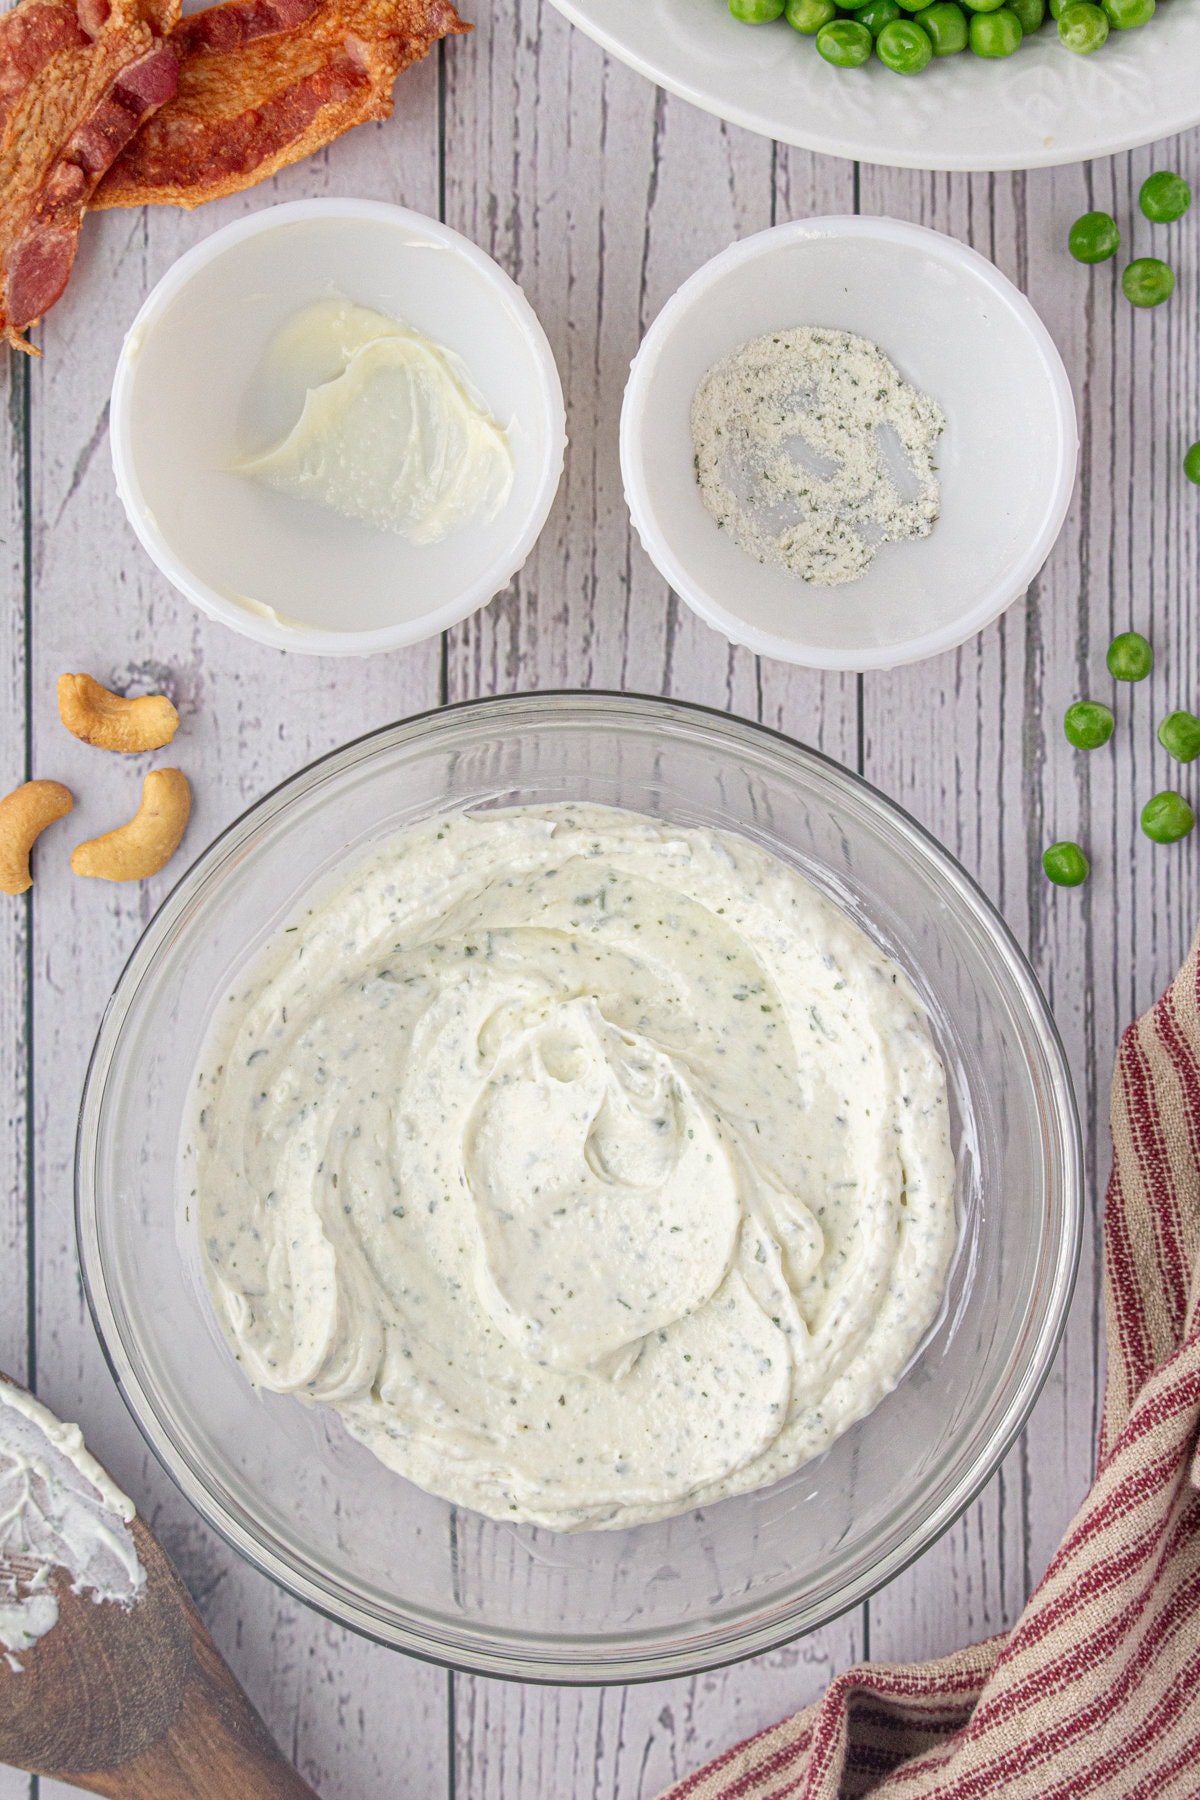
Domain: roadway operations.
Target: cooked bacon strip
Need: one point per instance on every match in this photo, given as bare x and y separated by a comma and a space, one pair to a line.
76, 81
30, 36
263, 83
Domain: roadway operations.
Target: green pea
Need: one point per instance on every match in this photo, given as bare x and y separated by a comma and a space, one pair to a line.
983, 6
1094, 237
877, 14
756, 12
904, 47
1031, 13
845, 43
945, 25
1164, 197
1065, 864
808, 16
1056, 7
1082, 27
1130, 657
1179, 735
1148, 281
996, 34
1167, 817
1128, 15
1191, 464
1088, 724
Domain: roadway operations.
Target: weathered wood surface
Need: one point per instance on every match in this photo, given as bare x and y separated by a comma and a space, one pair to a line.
599, 195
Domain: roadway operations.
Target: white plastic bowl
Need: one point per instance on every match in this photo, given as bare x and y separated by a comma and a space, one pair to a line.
957, 329
189, 397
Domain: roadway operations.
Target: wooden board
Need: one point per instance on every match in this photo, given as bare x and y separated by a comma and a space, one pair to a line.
599, 195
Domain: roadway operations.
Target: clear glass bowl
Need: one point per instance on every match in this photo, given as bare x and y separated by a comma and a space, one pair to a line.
295, 1494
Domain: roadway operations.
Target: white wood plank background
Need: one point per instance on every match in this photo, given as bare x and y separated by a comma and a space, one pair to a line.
599, 195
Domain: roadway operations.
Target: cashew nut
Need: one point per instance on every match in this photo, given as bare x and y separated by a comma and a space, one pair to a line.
24, 815
99, 717
150, 839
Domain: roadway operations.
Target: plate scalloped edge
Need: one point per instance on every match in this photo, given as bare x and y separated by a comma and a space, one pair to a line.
1041, 108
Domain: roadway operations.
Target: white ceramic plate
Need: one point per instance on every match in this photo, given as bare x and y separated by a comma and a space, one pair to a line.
1039, 107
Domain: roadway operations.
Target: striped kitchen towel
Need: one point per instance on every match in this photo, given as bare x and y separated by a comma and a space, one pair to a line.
1096, 1691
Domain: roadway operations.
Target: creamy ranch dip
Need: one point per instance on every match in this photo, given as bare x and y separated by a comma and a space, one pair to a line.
60, 1517
590, 1167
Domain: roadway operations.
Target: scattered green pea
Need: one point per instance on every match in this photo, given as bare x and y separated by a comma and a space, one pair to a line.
1128, 15
1065, 864
946, 27
1165, 196
903, 47
1094, 237
1148, 281
878, 13
808, 16
1130, 657
1191, 464
845, 43
1179, 735
996, 34
756, 12
1082, 27
1167, 817
1088, 724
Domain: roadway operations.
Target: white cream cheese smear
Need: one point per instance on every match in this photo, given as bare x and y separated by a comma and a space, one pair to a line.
58, 1511
590, 1167
392, 431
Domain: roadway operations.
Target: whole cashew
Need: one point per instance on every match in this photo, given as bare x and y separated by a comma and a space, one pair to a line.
24, 815
89, 711
150, 839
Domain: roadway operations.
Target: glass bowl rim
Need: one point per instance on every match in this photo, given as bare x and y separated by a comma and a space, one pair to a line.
471, 1649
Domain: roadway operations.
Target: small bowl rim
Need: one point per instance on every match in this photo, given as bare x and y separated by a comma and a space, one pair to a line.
312, 640
635, 443
472, 1651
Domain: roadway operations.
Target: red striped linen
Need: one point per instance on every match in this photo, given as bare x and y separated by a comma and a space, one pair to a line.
1096, 1690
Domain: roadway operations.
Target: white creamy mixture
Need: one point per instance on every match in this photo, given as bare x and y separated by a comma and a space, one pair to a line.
812, 451
58, 1511
392, 431
592, 1168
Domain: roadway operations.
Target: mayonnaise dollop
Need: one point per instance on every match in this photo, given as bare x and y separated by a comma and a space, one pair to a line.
392, 431
590, 1167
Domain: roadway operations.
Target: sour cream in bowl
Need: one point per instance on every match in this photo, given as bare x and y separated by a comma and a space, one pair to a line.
337, 427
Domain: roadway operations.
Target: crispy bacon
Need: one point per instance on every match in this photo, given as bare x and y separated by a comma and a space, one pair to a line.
76, 81
263, 83
30, 36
